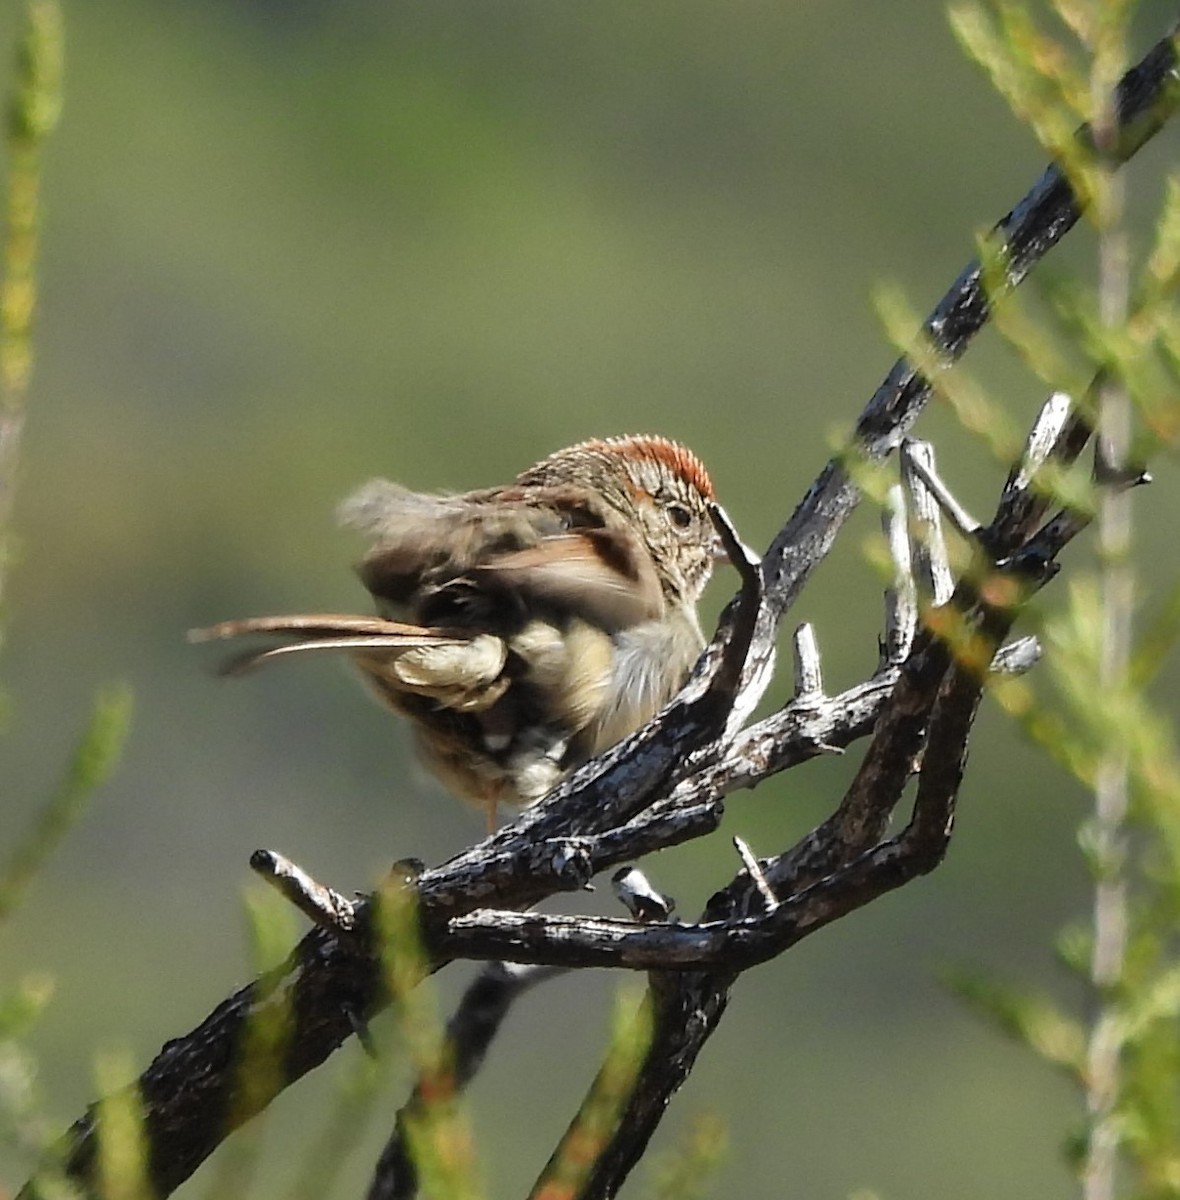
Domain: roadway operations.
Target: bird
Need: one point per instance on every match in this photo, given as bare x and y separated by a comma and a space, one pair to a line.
522, 629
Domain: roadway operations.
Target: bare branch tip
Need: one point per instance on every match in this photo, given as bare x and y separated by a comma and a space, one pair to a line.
1015, 658
320, 904
1115, 470
918, 460
1056, 433
809, 680
901, 599
931, 567
744, 560
1046, 430
826, 747
636, 893
754, 870
743, 615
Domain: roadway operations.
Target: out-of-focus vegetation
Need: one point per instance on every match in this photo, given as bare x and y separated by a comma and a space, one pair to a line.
291, 245
1110, 338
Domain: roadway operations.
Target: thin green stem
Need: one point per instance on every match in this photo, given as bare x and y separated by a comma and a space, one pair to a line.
1104, 1066
32, 114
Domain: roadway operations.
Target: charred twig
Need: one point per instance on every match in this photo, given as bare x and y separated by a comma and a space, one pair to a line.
642, 901
325, 907
470, 1032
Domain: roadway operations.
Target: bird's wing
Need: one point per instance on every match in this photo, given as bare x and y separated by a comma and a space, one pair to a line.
557, 545
421, 542
602, 575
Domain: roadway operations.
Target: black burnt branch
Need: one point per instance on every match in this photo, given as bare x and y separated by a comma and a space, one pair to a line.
942, 638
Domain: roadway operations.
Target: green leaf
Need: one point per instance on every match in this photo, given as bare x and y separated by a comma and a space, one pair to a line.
1033, 1020
94, 758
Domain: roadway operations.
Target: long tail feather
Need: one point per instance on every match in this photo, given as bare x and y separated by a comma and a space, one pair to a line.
300, 624
321, 633
240, 664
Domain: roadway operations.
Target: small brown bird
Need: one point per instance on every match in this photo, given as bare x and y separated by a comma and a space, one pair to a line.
524, 629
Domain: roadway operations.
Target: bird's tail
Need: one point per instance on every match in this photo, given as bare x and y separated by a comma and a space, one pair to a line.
309, 633
455, 667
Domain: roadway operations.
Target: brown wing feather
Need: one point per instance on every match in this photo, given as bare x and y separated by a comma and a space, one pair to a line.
422, 542
601, 575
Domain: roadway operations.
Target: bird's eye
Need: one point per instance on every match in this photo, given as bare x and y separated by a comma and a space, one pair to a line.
679, 516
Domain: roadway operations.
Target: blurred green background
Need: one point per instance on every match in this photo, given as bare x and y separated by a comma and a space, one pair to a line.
291, 245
